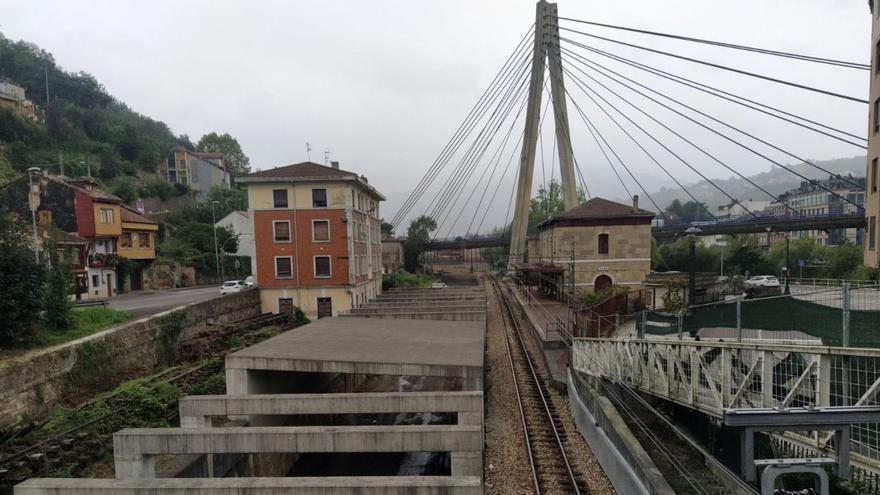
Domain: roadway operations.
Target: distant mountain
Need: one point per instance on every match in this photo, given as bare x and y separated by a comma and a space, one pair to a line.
777, 180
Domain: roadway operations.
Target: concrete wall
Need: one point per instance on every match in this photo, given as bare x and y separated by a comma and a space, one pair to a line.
872, 193
32, 383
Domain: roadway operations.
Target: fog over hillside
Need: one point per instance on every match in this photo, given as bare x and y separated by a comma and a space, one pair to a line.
776, 180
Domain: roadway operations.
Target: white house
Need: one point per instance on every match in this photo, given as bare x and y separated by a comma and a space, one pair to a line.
240, 223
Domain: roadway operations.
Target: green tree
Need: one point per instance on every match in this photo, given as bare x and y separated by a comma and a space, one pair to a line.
229, 199
387, 228
23, 280
548, 202
843, 260
418, 236
7, 174
123, 187
690, 211
676, 257
744, 255
58, 288
237, 162
802, 248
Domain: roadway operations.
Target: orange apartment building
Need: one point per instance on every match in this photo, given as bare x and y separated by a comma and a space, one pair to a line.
317, 240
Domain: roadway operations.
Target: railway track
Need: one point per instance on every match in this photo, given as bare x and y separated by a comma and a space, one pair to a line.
543, 432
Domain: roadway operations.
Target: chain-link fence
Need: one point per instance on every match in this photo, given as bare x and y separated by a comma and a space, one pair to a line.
836, 316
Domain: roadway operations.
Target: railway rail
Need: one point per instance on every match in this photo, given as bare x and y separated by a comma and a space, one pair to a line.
543, 432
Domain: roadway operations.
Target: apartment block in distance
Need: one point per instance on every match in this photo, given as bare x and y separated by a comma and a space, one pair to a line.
872, 195
317, 240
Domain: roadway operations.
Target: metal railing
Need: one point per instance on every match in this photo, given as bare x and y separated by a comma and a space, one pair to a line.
710, 376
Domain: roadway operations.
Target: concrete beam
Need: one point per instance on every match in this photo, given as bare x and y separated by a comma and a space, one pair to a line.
195, 408
356, 485
134, 448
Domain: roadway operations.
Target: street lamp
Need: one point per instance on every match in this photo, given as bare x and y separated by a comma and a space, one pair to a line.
214, 228
33, 205
692, 234
787, 268
223, 249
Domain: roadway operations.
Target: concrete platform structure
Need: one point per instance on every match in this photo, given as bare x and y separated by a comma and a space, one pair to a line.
368, 485
447, 304
361, 346
196, 410
134, 449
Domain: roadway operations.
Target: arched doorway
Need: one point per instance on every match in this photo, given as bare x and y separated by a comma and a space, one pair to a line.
602, 282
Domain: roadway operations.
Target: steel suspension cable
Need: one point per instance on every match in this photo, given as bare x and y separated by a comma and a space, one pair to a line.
764, 51
568, 138
582, 86
723, 67
728, 96
498, 186
721, 134
419, 189
704, 114
682, 160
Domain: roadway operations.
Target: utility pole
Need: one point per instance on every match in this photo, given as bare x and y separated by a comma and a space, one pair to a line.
214, 228
546, 47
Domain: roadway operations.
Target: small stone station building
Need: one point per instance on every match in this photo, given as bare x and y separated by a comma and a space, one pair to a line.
360, 387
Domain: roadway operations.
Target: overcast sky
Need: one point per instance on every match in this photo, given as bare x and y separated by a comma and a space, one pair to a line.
384, 84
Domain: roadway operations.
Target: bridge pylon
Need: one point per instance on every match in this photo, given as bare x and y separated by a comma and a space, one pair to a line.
546, 53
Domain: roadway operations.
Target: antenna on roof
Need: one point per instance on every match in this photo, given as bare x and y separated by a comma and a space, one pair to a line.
326, 156
309, 151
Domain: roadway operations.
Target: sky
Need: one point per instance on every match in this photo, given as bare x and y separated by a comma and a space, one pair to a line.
383, 85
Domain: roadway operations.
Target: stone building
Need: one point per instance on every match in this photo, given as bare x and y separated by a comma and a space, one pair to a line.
317, 239
199, 170
12, 96
611, 243
392, 253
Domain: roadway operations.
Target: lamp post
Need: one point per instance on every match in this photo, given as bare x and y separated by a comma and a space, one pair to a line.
223, 249
214, 228
787, 269
33, 204
692, 234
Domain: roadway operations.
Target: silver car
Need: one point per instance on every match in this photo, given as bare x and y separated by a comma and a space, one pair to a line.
230, 287
762, 281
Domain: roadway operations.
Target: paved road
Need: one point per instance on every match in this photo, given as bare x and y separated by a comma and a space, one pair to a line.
147, 302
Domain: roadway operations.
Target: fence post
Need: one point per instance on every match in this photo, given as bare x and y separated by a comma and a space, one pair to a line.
680, 324
846, 308
739, 328
640, 333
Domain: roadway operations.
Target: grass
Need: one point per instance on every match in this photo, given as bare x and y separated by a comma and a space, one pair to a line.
406, 279
86, 321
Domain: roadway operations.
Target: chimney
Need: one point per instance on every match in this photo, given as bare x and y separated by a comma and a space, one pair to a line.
635, 203
335, 165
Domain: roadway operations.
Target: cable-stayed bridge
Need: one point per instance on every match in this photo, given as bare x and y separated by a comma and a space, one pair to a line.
640, 116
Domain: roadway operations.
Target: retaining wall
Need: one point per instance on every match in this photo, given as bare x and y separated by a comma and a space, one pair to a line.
32, 383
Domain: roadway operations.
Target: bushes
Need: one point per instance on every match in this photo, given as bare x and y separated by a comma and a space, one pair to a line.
405, 279
22, 278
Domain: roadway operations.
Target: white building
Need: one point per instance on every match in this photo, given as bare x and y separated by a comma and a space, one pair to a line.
239, 222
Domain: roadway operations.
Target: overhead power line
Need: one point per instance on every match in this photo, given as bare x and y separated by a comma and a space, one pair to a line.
728, 96
764, 51
722, 67
714, 119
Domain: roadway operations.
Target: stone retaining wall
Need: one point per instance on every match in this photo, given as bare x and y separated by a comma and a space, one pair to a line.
32, 383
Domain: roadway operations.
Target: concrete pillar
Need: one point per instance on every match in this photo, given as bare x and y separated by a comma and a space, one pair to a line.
466, 463
236, 381
470, 418
134, 466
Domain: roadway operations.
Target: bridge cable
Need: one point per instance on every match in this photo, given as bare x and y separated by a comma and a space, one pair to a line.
764, 51
589, 124
730, 126
455, 185
505, 98
498, 185
494, 103
419, 189
726, 137
682, 160
723, 67
582, 86
728, 96
496, 157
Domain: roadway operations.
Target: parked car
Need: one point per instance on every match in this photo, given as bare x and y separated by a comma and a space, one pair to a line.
249, 281
231, 287
762, 281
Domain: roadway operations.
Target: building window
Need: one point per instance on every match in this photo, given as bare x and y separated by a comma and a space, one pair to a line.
877, 58
603, 243
96, 281
106, 215
45, 217
283, 267
321, 230
126, 239
877, 115
319, 197
279, 198
872, 233
281, 230
322, 267
874, 175
144, 238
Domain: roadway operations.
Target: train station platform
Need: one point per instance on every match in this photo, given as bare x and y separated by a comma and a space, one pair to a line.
447, 303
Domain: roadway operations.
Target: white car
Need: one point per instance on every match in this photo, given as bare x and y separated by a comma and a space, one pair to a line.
230, 287
249, 281
762, 281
